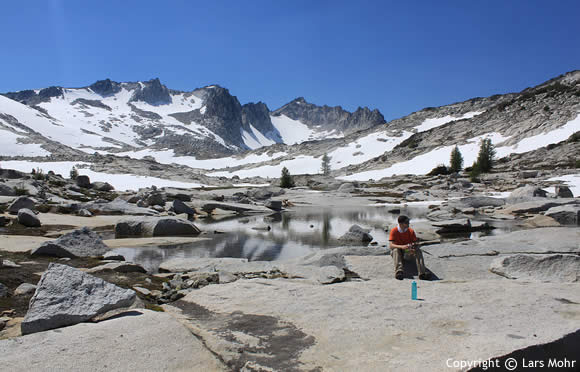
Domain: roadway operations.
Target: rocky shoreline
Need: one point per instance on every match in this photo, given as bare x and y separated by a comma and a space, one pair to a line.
334, 309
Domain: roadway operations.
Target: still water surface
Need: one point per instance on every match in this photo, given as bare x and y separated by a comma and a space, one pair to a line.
292, 234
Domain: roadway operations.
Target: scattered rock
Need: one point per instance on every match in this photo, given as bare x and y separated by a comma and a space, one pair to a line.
24, 288
264, 193
84, 213
102, 186
6, 190
454, 227
552, 268
565, 214
563, 191
83, 181
27, 218
179, 207
526, 193
79, 243
4, 221
357, 234
20, 203
478, 202
539, 220
528, 174
155, 226
156, 198
3, 290
113, 256
275, 205
118, 267
67, 296
262, 228
118, 207
346, 187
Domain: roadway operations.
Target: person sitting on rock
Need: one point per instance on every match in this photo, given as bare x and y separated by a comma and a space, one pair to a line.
403, 241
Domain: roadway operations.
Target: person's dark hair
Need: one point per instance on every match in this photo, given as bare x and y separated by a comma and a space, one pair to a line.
403, 219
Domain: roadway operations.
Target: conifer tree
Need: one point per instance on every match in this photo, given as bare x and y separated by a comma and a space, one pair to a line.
456, 162
485, 156
286, 180
325, 168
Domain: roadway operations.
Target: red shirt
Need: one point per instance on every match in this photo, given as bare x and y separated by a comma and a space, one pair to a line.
402, 238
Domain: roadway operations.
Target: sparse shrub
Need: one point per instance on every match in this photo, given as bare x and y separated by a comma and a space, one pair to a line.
439, 170
20, 190
38, 174
456, 161
286, 180
474, 173
577, 164
547, 108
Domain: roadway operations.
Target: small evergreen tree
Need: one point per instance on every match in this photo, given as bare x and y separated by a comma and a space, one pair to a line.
456, 161
325, 168
74, 173
485, 156
286, 180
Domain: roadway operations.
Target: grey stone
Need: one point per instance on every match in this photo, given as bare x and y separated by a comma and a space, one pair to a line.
84, 213
83, 181
528, 174
180, 207
525, 193
21, 202
67, 296
4, 221
155, 226
6, 190
3, 290
27, 218
143, 340
357, 234
102, 186
275, 205
118, 267
478, 202
79, 243
113, 256
565, 214
346, 187
24, 288
563, 192
552, 268
264, 193
118, 207
156, 198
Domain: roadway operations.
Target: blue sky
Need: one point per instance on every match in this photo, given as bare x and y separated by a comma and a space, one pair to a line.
397, 56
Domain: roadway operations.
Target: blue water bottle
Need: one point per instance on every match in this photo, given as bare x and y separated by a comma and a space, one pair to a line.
414, 290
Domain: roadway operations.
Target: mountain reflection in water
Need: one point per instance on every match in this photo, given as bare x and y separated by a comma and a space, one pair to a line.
292, 234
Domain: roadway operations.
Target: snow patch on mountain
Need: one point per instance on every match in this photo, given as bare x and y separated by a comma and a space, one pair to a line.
255, 139
121, 182
428, 124
9, 146
294, 131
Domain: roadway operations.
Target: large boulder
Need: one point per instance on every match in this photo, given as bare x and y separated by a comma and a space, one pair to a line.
275, 205
346, 187
357, 234
563, 191
153, 226
551, 268
264, 193
180, 207
6, 190
27, 218
565, 214
21, 202
156, 198
67, 296
79, 243
83, 181
478, 202
102, 186
526, 193
117, 207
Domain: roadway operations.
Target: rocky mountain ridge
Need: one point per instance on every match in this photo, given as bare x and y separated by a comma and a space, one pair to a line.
207, 122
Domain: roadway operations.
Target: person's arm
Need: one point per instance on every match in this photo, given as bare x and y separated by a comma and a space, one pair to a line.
400, 246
